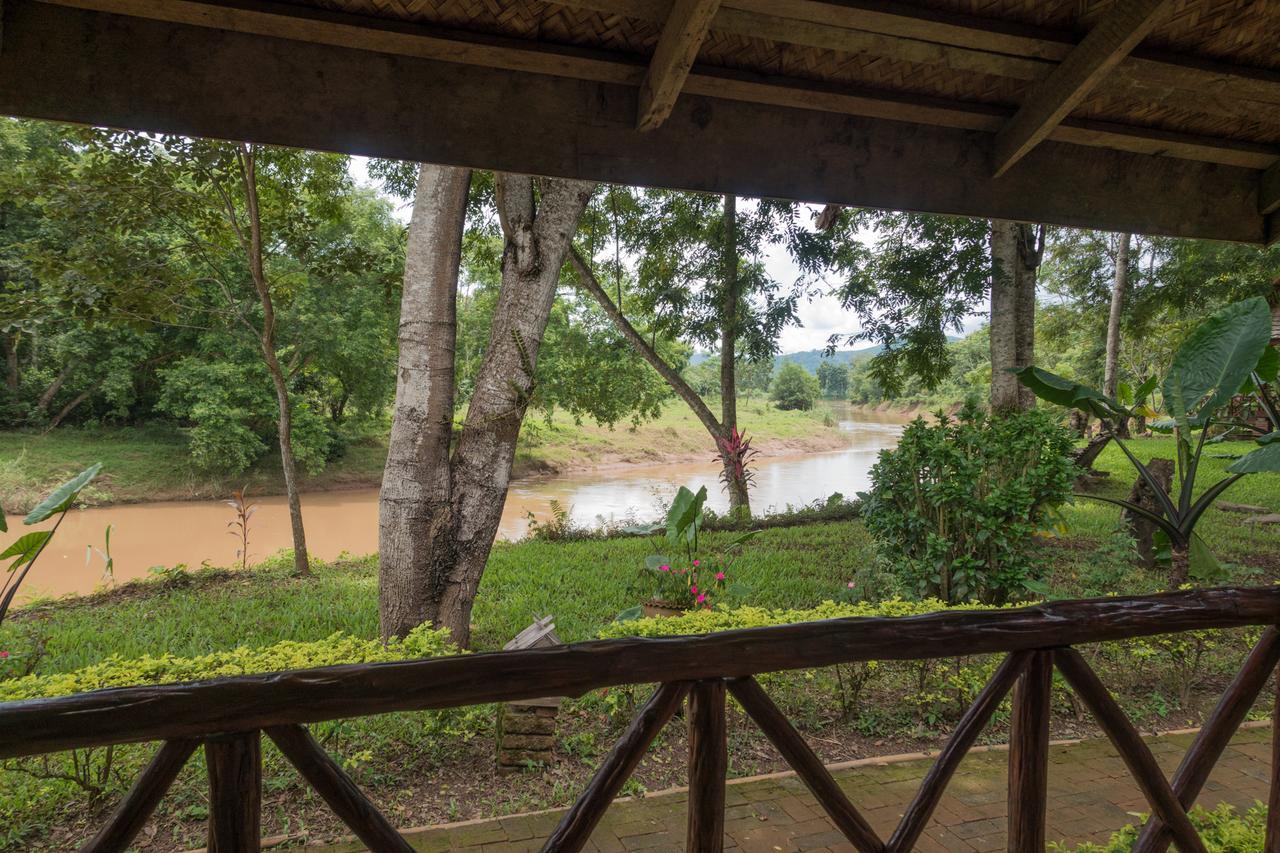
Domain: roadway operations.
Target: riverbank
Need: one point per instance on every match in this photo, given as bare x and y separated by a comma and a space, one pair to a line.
144, 464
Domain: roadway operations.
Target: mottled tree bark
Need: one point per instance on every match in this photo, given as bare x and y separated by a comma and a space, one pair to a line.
538, 239
1016, 251
416, 548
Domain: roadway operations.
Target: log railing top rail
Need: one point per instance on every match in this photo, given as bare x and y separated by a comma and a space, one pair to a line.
251, 702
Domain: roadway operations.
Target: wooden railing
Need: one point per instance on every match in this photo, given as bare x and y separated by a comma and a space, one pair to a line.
228, 716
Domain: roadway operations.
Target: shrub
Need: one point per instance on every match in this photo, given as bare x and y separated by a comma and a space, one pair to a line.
1223, 831
953, 509
793, 388
338, 648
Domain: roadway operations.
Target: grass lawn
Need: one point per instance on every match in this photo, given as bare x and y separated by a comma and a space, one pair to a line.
152, 463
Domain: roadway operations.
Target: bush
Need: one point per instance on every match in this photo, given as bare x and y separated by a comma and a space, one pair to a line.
953, 509
1222, 830
793, 388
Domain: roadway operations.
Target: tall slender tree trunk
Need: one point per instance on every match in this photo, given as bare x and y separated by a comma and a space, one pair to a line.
1119, 290
734, 474
1016, 251
537, 242
415, 508
267, 339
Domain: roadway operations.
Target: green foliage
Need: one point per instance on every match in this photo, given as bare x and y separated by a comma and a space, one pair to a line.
1219, 358
793, 388
1223, 830
338, 648
954, 508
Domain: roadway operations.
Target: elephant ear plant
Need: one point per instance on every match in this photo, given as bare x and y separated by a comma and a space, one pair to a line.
1226, 355
26, 549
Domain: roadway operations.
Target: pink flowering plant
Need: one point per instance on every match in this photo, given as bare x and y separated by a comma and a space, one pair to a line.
683, 576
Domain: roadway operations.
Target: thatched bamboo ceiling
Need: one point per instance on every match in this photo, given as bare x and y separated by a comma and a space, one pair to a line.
1144, 115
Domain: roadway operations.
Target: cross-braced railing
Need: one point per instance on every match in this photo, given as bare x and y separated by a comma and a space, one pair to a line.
228, 716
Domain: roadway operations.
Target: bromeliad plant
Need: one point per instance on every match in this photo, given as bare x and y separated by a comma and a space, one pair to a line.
26, 549
687, 579
1226, 355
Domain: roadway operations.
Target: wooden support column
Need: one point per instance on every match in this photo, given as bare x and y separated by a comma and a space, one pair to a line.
1110, 41
708, 765
1029, 756
1268, 195
235, 792
935, 782
682, 35
132, 813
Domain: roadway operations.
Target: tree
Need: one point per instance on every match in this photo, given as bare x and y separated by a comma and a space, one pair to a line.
439, 511
700, 278
923, 277
232, 231
793, 387
833, 379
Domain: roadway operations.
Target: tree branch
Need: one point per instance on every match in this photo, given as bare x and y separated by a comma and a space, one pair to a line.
588, 281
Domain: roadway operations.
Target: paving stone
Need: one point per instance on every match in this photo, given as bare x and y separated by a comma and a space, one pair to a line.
1090, 796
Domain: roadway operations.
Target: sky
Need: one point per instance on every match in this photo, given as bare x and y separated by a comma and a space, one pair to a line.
819, 318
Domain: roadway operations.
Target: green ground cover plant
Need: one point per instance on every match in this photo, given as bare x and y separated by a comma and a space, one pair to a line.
1223, 830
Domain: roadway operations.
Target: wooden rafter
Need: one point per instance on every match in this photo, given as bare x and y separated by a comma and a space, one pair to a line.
685, 29
403, 40
1114, 37
966, 43
360, 90
1269, 194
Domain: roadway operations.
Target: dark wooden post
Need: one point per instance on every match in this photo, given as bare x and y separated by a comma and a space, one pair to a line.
235, 792
1029, 756
708, 765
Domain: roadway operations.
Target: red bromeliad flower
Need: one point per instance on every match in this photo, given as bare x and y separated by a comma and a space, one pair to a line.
735, 455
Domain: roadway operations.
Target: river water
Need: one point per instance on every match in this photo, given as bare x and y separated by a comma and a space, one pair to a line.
194, 532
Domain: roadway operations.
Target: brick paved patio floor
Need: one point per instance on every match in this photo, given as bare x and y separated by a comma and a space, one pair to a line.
1090, 796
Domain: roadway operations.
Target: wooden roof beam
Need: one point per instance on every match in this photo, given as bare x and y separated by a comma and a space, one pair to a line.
1114, 37
1269, 195
682, 36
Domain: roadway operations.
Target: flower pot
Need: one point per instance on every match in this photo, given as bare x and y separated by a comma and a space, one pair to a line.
656, 608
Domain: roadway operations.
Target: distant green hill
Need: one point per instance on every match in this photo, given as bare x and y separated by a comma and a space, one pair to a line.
810, 359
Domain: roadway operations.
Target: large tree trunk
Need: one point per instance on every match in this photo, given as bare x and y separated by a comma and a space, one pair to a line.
416, 548
1016, 251
734, 475
537, 242
267, 339
1119, 288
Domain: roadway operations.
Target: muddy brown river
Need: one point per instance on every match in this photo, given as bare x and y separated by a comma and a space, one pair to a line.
195, 532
